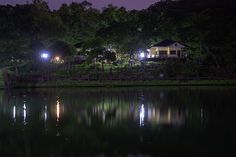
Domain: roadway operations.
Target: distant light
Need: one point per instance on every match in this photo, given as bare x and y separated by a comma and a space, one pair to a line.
44, 54
57, 58
142, 55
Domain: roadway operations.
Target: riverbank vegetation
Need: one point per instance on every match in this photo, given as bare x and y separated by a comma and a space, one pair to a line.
154, 83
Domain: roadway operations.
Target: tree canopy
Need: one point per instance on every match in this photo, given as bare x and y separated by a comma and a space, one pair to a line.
206, 26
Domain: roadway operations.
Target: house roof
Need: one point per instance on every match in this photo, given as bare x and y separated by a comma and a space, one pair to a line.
165, 43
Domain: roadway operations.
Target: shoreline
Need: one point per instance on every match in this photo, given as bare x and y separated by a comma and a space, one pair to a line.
92, 84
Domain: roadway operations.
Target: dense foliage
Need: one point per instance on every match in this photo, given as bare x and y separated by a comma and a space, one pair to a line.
206, 26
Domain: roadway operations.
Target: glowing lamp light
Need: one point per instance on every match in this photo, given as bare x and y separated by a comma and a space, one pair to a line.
57, 58
142, 55
44, 55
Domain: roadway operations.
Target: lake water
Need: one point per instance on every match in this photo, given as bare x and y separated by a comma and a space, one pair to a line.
129, 122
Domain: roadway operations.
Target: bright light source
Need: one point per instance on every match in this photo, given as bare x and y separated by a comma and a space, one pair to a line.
142, 55
44, 55
57, 58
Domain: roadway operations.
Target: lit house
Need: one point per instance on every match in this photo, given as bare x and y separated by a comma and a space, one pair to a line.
167, 49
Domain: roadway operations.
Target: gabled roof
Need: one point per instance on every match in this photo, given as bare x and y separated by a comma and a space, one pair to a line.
165, 43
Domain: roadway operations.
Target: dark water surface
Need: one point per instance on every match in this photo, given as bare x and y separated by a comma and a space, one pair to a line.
186, 121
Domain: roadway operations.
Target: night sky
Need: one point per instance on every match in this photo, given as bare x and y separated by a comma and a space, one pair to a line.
129, 4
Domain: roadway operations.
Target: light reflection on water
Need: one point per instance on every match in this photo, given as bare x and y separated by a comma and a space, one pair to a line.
24, 113
58, 110
106, 121
105, 109
145, 113
14, 113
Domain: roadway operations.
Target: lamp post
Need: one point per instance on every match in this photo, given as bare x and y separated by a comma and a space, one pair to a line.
142, 55
45, 56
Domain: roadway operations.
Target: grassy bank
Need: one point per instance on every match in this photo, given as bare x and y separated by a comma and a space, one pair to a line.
69, 83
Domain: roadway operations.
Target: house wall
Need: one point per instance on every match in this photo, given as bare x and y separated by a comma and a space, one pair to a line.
155, 51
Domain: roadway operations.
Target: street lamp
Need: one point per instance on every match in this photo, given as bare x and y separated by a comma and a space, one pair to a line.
44, 55
142, 55
57, 58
